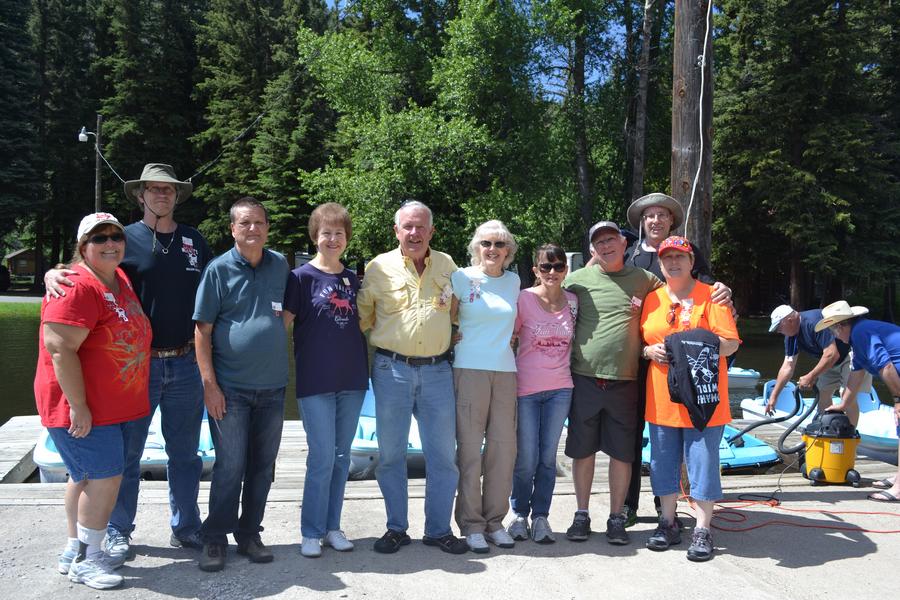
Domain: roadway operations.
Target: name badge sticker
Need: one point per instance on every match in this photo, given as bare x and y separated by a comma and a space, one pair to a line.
187, 241
109, 297
346, 281
636, 303
276, 308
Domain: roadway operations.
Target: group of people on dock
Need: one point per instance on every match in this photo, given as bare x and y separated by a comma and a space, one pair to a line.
641, 334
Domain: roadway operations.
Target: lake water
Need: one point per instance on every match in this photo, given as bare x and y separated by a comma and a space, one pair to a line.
18, 355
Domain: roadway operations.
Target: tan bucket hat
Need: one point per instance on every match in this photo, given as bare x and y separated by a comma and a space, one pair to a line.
638, 207
160, 173
839, 311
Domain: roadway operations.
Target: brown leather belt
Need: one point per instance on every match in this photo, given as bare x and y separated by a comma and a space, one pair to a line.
171, 352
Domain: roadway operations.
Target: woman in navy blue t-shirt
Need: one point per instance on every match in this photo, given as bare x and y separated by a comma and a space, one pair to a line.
332, 374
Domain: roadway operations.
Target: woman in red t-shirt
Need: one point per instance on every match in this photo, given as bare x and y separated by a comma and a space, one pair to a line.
683, 304
92, 376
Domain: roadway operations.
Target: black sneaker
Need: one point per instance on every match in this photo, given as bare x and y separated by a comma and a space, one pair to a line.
631, 513
213, 557
580, 529
615, 529
448, 543
701, 548
255, 550
666, 534
391, 541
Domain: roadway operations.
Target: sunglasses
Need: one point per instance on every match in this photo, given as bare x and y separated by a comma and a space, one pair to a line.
670, 317
547, 267
101, 238
489, 243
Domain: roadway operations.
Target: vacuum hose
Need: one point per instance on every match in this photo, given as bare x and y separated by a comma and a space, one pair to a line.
798, 404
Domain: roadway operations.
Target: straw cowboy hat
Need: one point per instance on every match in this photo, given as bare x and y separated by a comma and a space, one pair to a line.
839, 311
638, 207
160, 173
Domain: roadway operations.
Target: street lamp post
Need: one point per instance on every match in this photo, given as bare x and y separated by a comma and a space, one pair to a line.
83, 137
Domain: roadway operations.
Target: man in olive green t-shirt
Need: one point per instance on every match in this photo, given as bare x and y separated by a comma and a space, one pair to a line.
605, 359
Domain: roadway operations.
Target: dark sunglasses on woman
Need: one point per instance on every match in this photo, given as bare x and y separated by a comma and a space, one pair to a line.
489, 243
547, 267
101, 238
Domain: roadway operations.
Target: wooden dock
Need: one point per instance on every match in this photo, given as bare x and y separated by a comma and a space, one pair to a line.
18, 436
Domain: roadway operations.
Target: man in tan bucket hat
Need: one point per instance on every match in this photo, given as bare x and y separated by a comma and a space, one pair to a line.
164, 261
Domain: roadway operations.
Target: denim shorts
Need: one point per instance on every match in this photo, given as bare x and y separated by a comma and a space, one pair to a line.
669, 446
100, 455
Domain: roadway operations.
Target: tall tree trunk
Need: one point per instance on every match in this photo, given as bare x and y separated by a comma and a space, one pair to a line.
630, 86
640, 118
690, 29
582, 153
799, 299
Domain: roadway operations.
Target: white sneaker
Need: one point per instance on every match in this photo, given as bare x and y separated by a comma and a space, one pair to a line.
311, 547
501, 539
337, 540
118, 546
518, 529
94, 574
477, 543
541, 531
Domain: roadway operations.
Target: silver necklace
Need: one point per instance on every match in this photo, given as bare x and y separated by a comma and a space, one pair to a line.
165, 249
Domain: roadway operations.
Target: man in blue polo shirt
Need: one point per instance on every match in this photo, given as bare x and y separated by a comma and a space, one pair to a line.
832, 367
241, 345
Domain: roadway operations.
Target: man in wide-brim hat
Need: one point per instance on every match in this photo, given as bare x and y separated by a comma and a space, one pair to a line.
164, 260
876, 350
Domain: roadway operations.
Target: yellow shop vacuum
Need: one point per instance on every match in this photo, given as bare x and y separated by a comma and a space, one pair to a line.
829, 453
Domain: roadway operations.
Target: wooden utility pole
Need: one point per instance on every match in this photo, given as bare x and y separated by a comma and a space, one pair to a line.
687, 70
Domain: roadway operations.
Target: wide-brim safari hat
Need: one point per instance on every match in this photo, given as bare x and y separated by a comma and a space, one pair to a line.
839, 311
638, 207
160, 173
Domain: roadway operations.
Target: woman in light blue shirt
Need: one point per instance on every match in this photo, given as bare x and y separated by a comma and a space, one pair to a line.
484, 371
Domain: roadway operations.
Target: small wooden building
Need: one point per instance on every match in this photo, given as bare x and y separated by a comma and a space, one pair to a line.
21, 262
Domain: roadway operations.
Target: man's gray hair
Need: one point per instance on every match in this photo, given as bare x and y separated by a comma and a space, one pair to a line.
413, 205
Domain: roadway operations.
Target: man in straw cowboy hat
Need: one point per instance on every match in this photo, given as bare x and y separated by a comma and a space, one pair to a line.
876, 350
164, 260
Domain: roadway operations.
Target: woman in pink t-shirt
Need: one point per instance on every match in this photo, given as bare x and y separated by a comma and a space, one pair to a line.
545, 324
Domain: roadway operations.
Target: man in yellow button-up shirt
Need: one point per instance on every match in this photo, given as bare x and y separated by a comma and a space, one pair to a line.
405, 301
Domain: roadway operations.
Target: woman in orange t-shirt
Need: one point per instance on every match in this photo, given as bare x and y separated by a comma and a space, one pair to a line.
683, 304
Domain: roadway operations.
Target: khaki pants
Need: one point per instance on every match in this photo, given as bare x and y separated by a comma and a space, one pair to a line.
485, 412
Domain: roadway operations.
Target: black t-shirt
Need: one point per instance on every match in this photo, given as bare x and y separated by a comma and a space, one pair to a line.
165, 276
649, 261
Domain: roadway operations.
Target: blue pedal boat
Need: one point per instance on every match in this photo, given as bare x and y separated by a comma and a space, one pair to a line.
747, 454
364, 449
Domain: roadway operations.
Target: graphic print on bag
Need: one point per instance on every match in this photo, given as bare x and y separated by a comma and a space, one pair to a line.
337, 301
704, 363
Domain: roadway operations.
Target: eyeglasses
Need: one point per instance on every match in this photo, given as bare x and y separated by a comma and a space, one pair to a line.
670, 317
101, 238
489, 243
160, 190
547, 267
249, 224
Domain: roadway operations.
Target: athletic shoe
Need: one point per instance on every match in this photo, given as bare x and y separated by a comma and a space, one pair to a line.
213, 557
64, 560
701, 548
337, 540
95, 574
501, 539
311, 547
391, 541
580, 528
477, 543
192, 541
615, 529
118, 546
541, 532
666, 534
448, 543
255, 550
518, 529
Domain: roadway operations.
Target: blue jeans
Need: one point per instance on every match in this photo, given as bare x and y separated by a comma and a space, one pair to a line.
330, 422
175, 387
541, 417
247, 440
402, 391
699, 450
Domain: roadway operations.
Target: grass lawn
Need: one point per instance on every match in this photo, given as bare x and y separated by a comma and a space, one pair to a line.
19, 309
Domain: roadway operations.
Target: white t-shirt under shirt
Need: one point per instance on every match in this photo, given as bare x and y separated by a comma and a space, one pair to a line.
545, 344
487, 312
